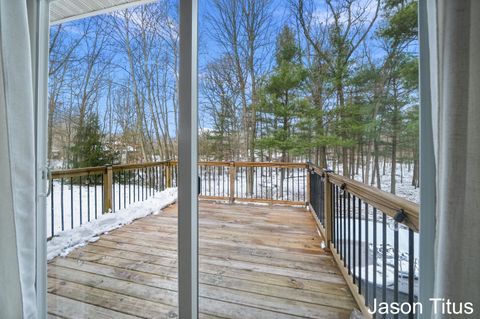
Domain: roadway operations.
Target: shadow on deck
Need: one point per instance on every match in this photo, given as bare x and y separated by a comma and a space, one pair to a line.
255, 262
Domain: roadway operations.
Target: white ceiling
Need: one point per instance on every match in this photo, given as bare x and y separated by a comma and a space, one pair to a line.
67, 10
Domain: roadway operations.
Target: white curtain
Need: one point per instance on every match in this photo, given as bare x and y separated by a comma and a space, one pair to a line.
454, 34
17, 165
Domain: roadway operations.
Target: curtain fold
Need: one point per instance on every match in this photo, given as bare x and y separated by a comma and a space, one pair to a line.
455, 80
17, 168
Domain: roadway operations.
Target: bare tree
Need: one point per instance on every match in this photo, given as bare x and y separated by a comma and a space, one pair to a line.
347, 24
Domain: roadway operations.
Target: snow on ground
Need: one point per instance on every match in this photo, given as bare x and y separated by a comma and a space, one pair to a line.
66, 241
405, 190
267, 183
72, 205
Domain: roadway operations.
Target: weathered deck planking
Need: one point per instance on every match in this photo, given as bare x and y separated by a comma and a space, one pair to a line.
255, 262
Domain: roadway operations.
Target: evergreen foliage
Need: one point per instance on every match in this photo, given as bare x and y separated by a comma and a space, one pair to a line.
281, 98
88, 149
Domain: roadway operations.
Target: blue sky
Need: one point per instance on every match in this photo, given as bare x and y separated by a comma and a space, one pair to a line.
210, 50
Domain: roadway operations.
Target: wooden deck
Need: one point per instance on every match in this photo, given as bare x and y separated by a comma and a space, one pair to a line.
255, 262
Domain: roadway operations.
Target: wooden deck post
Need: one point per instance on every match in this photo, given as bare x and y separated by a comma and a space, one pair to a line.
327, 201
107, 189
232, 172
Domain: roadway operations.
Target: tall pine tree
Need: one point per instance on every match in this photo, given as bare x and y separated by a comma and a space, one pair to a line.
281, 99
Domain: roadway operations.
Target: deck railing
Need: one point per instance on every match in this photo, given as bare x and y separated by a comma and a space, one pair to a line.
371, 234
78, 196
263, 182
81, 195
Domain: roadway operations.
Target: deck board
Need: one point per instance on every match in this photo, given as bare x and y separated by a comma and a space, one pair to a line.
254, 262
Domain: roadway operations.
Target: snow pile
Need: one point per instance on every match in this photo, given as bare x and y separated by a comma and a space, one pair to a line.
66, 241
75, 204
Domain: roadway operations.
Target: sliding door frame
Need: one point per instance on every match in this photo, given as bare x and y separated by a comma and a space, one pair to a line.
38, 11
427, 42
187, 162
187, 149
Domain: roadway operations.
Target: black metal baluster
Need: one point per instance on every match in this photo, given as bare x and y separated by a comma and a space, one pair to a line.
129, 187
344, 243
395, 264
411, 271
256, 182
162, 178
304, 185
337, 221
61, 200
366, 256
288, 183
335, 208
88, 197
124, 178
298, 185
374, 226
134, 183
359, 246
349, 262
71, 202
384, 257
144, 181
137, 173
354, 237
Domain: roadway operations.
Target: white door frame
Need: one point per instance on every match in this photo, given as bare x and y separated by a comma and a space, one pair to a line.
187, 150
187, 144
427, 164
39, 41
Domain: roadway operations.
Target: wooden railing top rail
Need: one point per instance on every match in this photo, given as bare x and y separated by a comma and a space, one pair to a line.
75, 172
388, 203
251, 164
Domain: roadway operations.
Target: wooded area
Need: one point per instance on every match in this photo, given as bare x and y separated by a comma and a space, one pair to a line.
331, 82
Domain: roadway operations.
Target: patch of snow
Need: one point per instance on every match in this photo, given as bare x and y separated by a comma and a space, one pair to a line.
71, 205
64, 242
